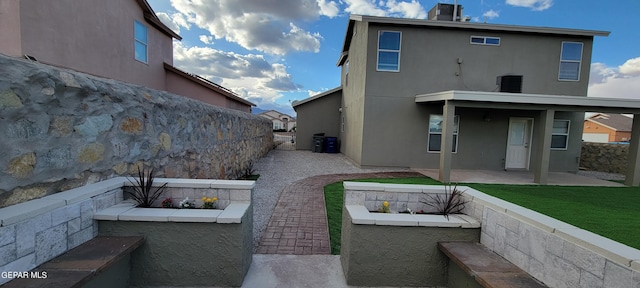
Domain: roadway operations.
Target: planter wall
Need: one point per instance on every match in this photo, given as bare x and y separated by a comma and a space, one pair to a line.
379, 249
188, 254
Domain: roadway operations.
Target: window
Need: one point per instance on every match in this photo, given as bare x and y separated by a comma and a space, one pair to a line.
389, 51
570, 58
435, 133
346, 72
485, 40
560, 135
140, 34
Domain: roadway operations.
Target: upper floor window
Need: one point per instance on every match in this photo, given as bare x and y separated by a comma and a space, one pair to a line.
435, 133
560, 135
140, 34
389, 51
570, 59
484, 40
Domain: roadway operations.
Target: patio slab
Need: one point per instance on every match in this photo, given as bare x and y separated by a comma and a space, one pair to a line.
517, 177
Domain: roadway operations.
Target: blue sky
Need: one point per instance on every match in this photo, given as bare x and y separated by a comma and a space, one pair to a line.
272, 52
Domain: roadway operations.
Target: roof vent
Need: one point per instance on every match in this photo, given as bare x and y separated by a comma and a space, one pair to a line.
510, 83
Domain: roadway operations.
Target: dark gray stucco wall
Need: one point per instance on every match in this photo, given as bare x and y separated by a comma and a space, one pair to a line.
187, 254
321, 115
394, 128
61, 129
374, 255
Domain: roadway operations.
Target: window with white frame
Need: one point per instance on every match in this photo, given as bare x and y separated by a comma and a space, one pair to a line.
560, 135
435, 133
485, 40
141, 43
389, 51
570, 59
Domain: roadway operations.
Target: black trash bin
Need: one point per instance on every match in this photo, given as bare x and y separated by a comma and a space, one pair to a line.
318, 143
331, 144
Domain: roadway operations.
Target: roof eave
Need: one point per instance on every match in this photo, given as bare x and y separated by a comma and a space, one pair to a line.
151, 17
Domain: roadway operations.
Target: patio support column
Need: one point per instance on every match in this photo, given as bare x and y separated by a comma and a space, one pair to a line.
632, 177
543, 149
446, 142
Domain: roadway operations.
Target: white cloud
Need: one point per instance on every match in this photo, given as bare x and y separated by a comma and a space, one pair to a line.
267, 26
249, 75
393, 8
411, 9
328, 8
631, 67
536, 5
491, 14
206, 39
615, 82
174, 22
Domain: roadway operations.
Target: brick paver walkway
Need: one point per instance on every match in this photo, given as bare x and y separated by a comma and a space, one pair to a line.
298, 224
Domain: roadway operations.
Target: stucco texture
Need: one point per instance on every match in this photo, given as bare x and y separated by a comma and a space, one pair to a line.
374, 255
188, 254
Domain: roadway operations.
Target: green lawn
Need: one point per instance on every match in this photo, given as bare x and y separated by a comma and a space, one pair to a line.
613, 212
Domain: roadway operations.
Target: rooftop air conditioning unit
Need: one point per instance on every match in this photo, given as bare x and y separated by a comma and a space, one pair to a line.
510, 83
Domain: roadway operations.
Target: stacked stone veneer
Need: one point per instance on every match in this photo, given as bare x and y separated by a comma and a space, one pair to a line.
38, 230
399, 196
61, 129
604, 157
554, 252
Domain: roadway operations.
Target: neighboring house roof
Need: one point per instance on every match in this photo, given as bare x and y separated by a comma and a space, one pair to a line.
151, 17
317, 96
460, 25
617, 122
266, 115
208, 84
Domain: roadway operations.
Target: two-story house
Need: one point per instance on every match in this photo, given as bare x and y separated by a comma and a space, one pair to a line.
118, 39
457, 95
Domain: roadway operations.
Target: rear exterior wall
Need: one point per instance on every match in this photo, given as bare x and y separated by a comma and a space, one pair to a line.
395, 127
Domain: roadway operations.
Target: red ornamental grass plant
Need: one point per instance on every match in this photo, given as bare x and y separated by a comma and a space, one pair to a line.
143, 191
451, 202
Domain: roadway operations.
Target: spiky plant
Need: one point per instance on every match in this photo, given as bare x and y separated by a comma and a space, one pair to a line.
143, 191
452, 202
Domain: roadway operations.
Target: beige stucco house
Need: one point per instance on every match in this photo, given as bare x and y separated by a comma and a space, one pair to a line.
280, 121
457, 95
117, 39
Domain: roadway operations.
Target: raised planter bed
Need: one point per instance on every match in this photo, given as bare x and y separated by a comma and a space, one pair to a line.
391, 249
188, 247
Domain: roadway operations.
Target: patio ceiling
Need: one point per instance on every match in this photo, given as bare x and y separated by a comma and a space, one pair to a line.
532, 101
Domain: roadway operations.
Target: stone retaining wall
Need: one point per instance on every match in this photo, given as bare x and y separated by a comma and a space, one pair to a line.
604, 157
60, 129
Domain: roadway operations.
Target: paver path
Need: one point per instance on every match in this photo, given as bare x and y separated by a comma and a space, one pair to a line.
298, 224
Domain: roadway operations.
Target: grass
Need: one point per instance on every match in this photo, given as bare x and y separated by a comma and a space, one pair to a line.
613, 212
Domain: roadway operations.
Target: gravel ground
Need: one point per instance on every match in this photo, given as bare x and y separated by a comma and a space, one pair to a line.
281, 168
601, 175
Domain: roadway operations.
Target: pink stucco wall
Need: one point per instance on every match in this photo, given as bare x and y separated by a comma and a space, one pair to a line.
180, 85
10, 33
94, 36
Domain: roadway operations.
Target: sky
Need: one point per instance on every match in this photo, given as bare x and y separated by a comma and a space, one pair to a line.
272, 52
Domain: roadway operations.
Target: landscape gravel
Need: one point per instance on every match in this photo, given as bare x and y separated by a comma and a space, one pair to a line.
601, 175
280, 168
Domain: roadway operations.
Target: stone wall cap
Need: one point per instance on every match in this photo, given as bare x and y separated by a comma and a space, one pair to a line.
26, 210
233, 213
360, 215
233, 184
365, 186
195, 215
87, 191
390, 219
112, 213
146, 214
181, 182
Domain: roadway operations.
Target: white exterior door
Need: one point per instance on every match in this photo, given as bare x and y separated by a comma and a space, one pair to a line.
518, 143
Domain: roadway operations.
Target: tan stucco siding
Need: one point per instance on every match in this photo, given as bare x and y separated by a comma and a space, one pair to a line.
95, 37
11, 43
322, 115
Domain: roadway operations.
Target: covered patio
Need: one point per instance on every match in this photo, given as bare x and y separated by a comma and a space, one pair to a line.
546, 106
516, 177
